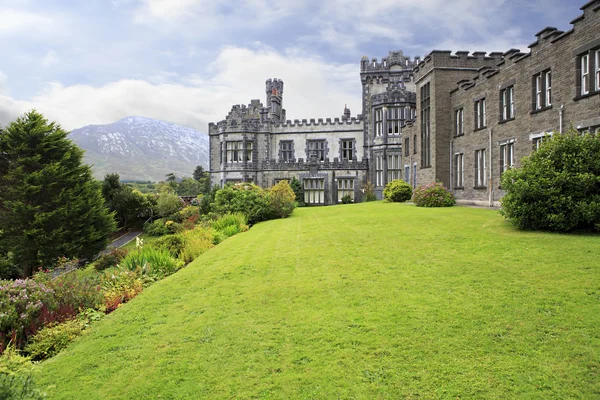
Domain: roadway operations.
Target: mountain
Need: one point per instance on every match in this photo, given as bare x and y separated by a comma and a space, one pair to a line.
140, 148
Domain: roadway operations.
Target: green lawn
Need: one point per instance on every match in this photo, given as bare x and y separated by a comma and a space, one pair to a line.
361, 301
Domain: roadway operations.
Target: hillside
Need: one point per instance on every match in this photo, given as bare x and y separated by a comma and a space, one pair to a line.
363, 301
141, 148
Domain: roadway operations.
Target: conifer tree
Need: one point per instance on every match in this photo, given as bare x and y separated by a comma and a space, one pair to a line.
50, 205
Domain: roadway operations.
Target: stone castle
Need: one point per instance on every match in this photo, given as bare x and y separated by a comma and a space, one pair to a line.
461, 118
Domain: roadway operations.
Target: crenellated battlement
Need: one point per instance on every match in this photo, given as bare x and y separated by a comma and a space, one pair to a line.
320, 122
395, 59
460, 59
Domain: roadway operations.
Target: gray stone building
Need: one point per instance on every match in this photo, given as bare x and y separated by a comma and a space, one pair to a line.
461, 118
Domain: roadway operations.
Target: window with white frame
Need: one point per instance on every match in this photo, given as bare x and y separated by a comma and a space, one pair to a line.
585, 74
393, 167
542, 90
394, 120
538, 138
345, 188
597, 70
234, 152
316, 148
480, 168
314, 190
378, 122
507, 103
249, 148
479, 107
459, 120
347, 149
459, 170
378, 170
286, 150
507, 156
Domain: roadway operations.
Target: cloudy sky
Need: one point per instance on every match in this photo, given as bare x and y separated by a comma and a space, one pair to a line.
188, 61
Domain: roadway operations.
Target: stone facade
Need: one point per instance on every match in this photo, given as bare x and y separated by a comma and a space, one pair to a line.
256, 144
460, 118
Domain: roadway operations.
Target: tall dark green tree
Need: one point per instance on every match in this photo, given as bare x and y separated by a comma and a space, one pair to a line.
129, 205
203, 177
50, 205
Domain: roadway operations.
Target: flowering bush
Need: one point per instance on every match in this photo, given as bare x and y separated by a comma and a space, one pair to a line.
25, 307
433, 195
397, 191
119, 288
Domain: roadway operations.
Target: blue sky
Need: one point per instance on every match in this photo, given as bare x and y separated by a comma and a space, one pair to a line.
188, 61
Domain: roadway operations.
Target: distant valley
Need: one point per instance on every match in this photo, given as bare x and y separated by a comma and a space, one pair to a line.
139, 148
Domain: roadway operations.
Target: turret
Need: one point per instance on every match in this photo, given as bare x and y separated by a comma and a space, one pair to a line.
274, 90
346, 115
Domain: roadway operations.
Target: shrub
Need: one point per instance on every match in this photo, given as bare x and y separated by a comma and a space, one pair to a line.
15, 377
282, 200
49, 341
151, 261
557, 188
245, 198
174, 244
236, 219
8, 269
433, 195
298, 191
369, 192
346, 199
156, 228
25, 307
119, 288
218, 237
73, 291
197, 241
111, 259
397, 191
168, 204
174, 227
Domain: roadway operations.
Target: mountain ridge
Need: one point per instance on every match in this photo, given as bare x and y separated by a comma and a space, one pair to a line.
141, 148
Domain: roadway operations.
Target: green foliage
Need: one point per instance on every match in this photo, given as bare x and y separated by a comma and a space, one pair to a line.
298, 191
557, 188
156, 228
282, 200
189, 187
197, 241
129, 205
120, 287
346, 199
8, 269
369, 192
167, 204
245, 198
111, 259
50, 204
12, 362
236, 219
151, 261
203, 177
174, 244
433, 195
49, 341
397, 191
207, 200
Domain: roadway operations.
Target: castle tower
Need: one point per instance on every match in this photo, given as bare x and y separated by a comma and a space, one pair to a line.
274, 90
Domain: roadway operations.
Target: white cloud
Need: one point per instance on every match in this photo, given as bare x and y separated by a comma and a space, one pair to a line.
50, 59
22, 21
313, 89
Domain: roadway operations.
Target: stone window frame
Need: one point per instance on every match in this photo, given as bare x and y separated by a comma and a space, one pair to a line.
341, 149
425, 92
247, 152
459, 121
322, 176
479, 113
459, 170
353, 179
507, 106
541, 90
325, 149
591, 52
379, 159
393, 173
378, 114
506, 155
397, 121
414, 144
480, 180
280, 151
537, 138
239, 150
407, 146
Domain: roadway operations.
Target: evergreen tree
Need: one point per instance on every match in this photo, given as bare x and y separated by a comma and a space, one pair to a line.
50, 204
127, 203
203, 177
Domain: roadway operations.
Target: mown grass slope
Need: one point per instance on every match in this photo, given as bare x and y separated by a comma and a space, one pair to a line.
359, 301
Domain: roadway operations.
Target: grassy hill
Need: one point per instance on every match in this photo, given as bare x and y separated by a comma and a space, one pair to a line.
360, 301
